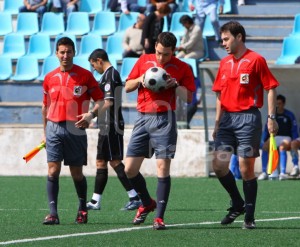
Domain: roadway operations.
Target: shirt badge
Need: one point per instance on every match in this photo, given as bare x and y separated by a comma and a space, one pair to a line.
77, 90
244, 79
107, 87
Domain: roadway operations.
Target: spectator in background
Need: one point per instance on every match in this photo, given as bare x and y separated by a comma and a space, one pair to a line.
191, 45
132, 38
156, 4
38, 6
153, 26
125, 6
65, 6
205, 8
288, 131
241, 2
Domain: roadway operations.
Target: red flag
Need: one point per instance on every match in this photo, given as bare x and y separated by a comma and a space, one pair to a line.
33, 152
273, 155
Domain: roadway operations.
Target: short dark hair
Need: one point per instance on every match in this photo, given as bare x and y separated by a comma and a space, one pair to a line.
234, 28
167, 39
98, 53
281, 97
186, 19
65, 41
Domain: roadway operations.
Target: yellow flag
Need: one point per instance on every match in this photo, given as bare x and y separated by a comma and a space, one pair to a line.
273, 155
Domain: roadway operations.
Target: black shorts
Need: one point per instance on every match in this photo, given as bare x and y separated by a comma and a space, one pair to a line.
240, 132
110, 144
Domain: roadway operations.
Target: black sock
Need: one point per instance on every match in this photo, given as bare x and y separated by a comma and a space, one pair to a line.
100, 181
119, 169
250, 192
229, 183
139, 184
52, 191
162, 194
81, 189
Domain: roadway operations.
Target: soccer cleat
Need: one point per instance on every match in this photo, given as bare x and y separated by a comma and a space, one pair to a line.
132, 205
283, 176
82, 217
93, 206
159, 224
51, 220
295, 171
249, 225
232, 215
263, 176
142, 213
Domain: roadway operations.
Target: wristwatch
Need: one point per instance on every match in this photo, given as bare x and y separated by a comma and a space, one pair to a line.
272, 116
93, 114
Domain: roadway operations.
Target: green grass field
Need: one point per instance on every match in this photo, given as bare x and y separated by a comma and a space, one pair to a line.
195, 209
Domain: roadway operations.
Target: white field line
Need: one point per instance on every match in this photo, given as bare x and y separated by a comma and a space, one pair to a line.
128, 230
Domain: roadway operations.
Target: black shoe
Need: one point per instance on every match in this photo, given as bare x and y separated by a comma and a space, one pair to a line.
232, 215
249, 225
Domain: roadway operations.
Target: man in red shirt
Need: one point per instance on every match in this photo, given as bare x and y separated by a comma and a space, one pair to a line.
155, 128
239, 85
67, 93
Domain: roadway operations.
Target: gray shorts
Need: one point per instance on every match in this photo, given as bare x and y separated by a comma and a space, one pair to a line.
240, 132
154, 133
65, 142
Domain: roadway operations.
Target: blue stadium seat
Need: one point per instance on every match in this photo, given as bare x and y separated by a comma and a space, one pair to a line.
206, 50
27, 23
290, 50
227, 7
53, 23
126, 21
193, 63
165, 27
50, 63
126, 67
71, 36
5, 68
27, 69
39, 46
114, 46
83, 62
208, 30
90, 6
6, 23
78, 23
104, 23
13, 45
89, 43
296, 26
12, 6
176, 27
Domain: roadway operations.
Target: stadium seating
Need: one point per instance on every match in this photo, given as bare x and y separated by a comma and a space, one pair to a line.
90, 6
206, 50
23, 21
176, 27
27, 69
126, 67
165, 27
193, 63
208, 30
6, 23
114, 46
296, 26
83, 62
49, 64
12, 6
72, 37
78, 23
13, 46
5, 68
104, 23
39, 46
53, 23
126, 21
89, 43
290, 50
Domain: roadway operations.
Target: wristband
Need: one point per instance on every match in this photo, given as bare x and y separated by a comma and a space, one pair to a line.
93, 114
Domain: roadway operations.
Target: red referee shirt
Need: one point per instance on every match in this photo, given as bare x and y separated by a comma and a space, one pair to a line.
242, 81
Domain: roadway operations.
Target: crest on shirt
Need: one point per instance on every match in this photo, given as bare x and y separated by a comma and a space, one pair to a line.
77, 90
107, 87
244, 79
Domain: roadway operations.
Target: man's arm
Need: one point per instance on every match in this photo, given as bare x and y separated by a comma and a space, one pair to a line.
219, 113
44, 119
133, 84
272, 124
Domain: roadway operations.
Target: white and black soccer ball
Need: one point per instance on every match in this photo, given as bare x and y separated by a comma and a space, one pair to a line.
156, 79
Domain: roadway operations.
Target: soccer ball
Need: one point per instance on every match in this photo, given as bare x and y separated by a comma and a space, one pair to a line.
156, 79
